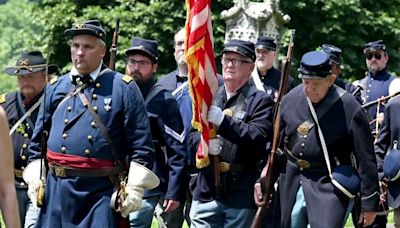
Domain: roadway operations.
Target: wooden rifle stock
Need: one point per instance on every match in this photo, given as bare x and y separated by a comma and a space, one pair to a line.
268, 174
113, 49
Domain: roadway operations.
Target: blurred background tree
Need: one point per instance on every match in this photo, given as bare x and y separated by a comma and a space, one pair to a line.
40, 24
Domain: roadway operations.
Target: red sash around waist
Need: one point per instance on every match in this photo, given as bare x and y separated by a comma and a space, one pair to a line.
73, 161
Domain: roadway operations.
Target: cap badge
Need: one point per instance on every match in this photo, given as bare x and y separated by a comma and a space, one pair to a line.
23, 62
79, 25
236, 48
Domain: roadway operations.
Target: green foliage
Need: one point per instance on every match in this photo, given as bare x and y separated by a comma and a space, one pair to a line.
16, 32
347, 24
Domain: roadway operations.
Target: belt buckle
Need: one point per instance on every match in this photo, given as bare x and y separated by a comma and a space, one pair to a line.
59, 171
18, 173
224, 167
303, 164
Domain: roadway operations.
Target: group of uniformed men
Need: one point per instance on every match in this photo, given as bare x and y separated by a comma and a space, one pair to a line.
121, 146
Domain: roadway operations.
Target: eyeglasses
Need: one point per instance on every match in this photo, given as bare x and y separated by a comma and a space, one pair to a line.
377, 56
141, 64
179, 43
235, 62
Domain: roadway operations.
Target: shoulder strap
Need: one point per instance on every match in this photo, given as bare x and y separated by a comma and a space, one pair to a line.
26, 115
157, 88
334, 96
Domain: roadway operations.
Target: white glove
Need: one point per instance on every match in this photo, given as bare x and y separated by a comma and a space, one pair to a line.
214, 147
31, 176
215, 115
133, 200
33, 189
139, 178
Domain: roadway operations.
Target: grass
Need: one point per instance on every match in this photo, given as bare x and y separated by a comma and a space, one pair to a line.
154, 224
349, 222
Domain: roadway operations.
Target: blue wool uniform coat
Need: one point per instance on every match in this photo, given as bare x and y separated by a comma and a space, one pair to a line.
249, 132
375, 87
170, 82
85, 201
169, 140
15, 109
345, 130
388, 133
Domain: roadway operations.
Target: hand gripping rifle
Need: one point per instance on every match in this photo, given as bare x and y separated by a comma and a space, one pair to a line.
113, 49
268, 175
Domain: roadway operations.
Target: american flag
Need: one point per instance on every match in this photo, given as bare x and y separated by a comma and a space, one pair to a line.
202, 71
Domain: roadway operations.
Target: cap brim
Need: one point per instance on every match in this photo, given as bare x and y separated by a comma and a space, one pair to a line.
132, 50
305, 76
14, 71
84, 31
268, 48
235, 51
394, 194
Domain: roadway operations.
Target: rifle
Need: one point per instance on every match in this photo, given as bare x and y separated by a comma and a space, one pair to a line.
113, 49
268, 175
379, 100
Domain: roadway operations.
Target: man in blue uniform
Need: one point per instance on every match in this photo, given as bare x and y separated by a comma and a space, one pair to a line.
242, 115
387, 145
167, 132
335, 54
378, 82
22, 108
305, 183
96, 120
176, 83
265, 76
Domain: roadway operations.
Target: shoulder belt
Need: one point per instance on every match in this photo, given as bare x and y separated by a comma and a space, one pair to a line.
157, 88
127, 79
3, 98
103, 129
332, 98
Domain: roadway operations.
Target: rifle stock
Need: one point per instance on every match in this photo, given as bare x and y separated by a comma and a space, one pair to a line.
113, 49
268, 177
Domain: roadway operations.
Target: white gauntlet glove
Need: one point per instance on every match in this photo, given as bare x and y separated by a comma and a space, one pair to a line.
31, 176
214, 146
139, 178
215, 115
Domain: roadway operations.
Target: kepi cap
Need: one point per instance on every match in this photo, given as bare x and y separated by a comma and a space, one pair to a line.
266, 43
144, 46
30, 62
335, 53
242, 47
90, 27
315, 64
374, 46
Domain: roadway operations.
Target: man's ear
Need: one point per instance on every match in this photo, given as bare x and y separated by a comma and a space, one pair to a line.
155, 66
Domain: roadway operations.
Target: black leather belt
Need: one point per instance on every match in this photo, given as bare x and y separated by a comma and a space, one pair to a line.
60, 171
301, 163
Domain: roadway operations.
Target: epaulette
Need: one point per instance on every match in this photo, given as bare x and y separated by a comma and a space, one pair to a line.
53, 80
3, 98
127, 79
